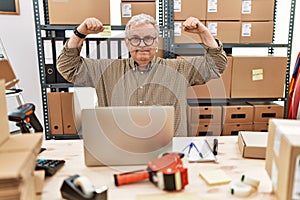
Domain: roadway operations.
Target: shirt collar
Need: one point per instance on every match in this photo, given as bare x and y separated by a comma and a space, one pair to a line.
134, 66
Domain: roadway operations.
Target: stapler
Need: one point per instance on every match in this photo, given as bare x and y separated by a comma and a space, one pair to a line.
79, 188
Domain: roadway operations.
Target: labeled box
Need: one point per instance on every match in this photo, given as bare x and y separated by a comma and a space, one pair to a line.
257, 10
129, 9
223, 10
204, 129
256, 32
215, 88
181, 36
234, 128
265, 110
238, 114
253, 144
258, 76
286, 171
225, 31
184, 9
76, 11
204, 114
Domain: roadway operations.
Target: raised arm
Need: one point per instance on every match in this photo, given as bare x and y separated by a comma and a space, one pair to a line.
193, 25
88, 26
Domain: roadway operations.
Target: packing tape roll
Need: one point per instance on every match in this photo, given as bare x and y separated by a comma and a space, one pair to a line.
240, 189
250, 181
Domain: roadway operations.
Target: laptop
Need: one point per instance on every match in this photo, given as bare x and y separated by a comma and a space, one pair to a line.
126, 135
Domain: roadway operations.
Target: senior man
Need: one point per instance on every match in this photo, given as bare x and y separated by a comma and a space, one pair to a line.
143, 79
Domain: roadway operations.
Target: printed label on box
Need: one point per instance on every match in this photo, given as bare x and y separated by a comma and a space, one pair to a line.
296, 187
212, 5
213, 28
274, 175
257, 74
246, 6
126, 10
246, 29
177, 29
177, 5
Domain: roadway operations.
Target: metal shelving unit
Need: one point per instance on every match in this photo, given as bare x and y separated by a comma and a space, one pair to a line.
197, 49
166, 23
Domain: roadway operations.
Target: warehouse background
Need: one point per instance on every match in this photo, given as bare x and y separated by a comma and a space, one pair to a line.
18, 37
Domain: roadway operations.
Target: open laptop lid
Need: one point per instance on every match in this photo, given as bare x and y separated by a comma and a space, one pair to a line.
126, 135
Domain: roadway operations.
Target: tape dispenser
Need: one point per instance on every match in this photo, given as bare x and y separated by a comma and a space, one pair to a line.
80, 188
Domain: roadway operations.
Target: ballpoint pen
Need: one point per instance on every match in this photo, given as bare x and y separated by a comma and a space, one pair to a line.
191, 145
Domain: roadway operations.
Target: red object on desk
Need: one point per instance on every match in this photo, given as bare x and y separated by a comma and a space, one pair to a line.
166, 172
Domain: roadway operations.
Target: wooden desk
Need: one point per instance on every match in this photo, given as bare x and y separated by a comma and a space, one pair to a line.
229, 160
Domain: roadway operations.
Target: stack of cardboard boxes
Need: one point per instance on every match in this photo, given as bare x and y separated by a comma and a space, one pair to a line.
18, 155
230, 119
232, 21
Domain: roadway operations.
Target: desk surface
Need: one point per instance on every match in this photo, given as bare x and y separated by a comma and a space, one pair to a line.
229, 160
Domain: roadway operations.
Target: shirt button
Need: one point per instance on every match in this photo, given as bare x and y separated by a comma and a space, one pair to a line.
140, 102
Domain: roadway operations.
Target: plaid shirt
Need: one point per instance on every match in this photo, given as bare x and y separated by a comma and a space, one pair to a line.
118, 82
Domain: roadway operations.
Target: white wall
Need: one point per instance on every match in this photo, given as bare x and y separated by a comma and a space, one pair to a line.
17, 33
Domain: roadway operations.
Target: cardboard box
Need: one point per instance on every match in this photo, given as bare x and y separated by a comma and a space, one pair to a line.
235, 128
223, 10
76, 11
17, 157
277, 128
68, 120
204, 114
265, 111
286, 171
181, 36
215, 88
184, 9
258, 77
261, 126
130, 9
256, 32
204, 129
257, 10
55, 115
225, 31
238, 114
253, 144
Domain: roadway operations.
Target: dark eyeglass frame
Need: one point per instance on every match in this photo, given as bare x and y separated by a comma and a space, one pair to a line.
142, 39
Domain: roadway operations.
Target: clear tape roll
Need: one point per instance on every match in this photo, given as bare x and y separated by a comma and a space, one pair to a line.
250, 181
85, 185
240, 189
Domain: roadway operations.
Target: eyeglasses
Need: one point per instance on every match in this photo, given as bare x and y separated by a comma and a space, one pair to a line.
136, 41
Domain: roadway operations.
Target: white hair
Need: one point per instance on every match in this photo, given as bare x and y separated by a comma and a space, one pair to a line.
141, 19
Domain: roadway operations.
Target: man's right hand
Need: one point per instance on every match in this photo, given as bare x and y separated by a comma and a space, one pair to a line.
90, 26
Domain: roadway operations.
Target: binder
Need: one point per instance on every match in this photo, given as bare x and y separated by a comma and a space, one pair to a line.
68, 120
55, 116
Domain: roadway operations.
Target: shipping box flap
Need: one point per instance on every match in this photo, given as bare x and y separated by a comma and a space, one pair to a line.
30, 142
253, 144
4, 129
16, 165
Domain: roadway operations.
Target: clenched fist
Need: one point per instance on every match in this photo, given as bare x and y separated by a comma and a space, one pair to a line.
90, 26
193, 25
